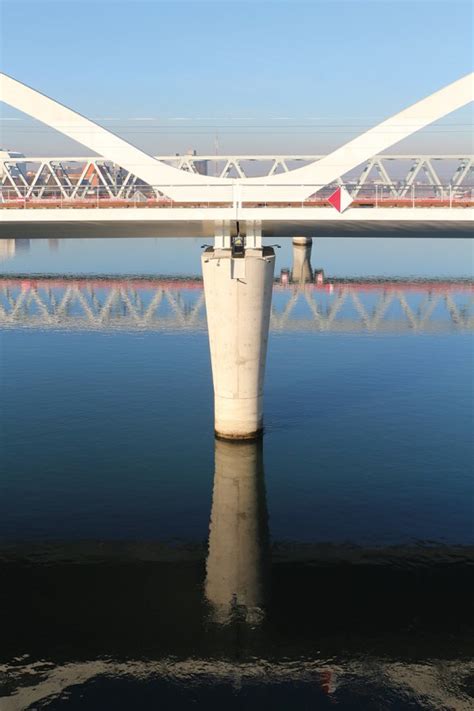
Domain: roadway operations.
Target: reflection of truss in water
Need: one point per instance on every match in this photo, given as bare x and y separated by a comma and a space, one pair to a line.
177, 304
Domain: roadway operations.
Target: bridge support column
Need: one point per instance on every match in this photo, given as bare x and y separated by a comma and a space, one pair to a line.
238, 292
302, 272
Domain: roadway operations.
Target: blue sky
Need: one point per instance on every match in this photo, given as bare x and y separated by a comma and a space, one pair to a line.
274, 76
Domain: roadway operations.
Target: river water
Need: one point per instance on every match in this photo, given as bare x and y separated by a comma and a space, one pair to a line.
146, 565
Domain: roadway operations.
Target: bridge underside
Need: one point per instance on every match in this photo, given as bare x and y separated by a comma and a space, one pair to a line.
382, 222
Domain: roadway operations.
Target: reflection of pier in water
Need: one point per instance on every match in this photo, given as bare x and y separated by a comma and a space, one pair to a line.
164, 304
123, 612
338, 617
238, 535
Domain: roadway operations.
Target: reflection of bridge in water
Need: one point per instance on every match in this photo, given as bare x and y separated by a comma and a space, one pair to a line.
331, 305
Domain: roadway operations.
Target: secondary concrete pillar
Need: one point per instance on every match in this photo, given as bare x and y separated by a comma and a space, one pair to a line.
302, 272
238, 292
7, 249
238, 533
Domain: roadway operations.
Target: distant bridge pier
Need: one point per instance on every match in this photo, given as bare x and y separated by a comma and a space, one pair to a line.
302, 272
238, 534
238, 293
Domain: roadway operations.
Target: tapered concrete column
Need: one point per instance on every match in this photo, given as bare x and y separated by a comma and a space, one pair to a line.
302, 272
238, 295
238, 533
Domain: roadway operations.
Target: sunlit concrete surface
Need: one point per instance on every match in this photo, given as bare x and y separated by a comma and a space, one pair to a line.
238, 295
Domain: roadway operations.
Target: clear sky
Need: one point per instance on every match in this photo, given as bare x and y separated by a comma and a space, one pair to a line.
262, 76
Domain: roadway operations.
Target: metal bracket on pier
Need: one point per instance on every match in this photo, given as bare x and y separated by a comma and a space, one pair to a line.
253, 234
249, 230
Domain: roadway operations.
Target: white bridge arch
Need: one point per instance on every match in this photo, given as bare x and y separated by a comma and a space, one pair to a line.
179, 185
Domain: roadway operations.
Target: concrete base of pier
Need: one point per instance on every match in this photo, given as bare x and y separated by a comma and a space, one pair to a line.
238, 292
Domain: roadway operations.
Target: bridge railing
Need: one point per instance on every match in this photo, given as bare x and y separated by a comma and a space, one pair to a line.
368, 195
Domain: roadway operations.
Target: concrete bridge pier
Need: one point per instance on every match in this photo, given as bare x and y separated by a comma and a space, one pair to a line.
238, 534
238, 293
302, 272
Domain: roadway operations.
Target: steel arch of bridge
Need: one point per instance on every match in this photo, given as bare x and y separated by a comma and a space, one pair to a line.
291, 185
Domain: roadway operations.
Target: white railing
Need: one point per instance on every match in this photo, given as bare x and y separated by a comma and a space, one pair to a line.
76, 176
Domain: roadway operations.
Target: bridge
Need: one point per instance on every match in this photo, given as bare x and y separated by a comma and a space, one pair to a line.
48, 189
389, 180
71, 177
266, 195
125, 187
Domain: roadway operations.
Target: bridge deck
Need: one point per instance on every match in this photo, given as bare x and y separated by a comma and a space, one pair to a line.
275, 221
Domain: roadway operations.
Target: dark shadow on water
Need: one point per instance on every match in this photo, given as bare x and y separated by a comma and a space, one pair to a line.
127, 624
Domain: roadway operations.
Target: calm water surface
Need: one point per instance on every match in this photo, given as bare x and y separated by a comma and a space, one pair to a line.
145, 565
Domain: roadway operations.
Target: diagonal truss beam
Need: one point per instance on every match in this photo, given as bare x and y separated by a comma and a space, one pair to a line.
74, 176
374, 141
297, 184
90, 134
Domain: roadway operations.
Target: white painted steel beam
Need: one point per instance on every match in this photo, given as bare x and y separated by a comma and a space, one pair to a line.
294, 185
105, 143
117, 182
374, 141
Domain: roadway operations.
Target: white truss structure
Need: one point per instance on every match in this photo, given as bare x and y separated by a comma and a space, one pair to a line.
89, 305
76, 177
292, 185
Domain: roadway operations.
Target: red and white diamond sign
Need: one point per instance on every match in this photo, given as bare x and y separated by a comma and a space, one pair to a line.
340, 199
